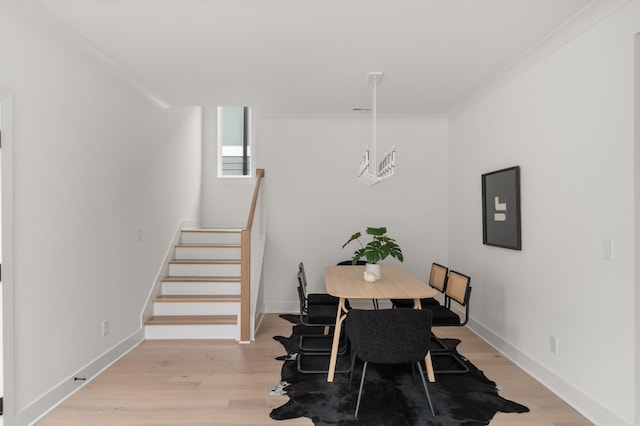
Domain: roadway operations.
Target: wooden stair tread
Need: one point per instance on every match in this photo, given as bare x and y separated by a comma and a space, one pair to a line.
183, 298
199, 279
192, 320
208, 245
213, 230
205, 261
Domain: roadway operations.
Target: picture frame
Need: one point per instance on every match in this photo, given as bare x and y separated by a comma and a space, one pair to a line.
501, 222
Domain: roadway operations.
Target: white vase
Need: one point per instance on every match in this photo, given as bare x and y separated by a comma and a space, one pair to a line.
373, 269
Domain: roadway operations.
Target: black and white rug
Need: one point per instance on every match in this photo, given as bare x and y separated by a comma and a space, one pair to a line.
392, 395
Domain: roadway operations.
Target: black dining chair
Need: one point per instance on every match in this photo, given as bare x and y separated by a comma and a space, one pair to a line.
313, 298
318, 344
389, 336
316, 310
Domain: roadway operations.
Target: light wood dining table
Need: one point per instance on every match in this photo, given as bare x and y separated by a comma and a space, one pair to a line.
347, 282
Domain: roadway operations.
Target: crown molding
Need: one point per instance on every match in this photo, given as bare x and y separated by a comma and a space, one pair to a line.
590, 15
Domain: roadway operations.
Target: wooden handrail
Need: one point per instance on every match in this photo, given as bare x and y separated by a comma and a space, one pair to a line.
254, 201
245, 256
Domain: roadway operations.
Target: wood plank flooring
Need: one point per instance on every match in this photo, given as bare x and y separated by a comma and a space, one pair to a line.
208, 382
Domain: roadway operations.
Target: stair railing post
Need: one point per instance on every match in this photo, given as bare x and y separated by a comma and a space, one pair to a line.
245, 285
245, 265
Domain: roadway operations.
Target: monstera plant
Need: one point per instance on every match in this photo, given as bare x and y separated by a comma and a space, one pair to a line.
379, 248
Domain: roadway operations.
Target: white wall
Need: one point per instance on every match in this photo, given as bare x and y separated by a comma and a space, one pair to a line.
92, 159
315, 202
1, 340
568, 122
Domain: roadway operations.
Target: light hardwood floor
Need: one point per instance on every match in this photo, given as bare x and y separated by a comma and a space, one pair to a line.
205, 382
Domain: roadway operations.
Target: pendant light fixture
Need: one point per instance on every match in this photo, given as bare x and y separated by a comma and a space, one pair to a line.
367, 172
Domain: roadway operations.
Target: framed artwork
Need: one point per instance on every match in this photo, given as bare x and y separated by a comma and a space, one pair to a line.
501, 208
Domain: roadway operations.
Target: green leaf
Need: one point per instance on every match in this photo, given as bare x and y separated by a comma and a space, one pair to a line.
353, 237
376, 231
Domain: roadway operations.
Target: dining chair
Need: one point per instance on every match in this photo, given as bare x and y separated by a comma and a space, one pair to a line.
313, 298
321, 313
316, 310
319, 344
458, 290
437, 280
389, 336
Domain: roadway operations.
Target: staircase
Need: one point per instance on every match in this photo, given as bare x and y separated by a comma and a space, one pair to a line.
200, 296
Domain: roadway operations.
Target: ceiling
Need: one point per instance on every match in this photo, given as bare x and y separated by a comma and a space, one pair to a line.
313, 56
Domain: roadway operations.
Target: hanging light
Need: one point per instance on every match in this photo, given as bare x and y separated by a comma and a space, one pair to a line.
368, 173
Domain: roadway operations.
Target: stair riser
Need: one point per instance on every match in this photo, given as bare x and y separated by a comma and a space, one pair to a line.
204, 270
196, 308
189, 288
207, 253
153, 332
187, 237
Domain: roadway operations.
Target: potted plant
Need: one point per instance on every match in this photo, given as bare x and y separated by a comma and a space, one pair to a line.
379, 248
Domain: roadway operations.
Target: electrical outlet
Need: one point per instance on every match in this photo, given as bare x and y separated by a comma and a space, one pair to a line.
138, 233
105, 327
553, 344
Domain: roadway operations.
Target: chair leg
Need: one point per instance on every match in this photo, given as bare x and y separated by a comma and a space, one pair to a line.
424, 382
437, 345
306, 370
322, 345
364, 370
463, 367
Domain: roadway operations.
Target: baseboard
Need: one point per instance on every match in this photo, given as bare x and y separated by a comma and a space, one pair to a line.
47, 402
256, 325
573, 396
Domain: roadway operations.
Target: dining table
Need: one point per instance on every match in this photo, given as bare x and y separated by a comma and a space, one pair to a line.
347, 282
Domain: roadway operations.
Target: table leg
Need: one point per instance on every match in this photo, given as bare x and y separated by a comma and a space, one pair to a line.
427, 359
427, 362
340, 316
